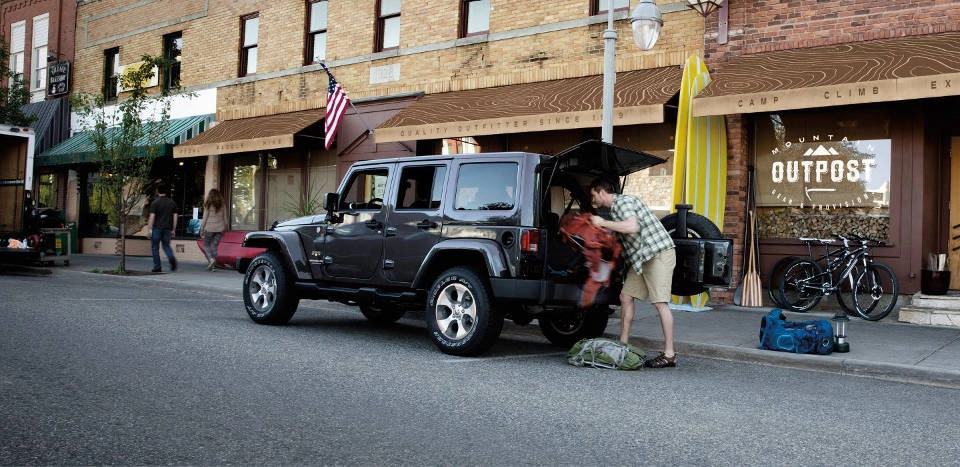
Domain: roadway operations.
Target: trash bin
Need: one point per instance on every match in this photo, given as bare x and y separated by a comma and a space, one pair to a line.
934, 282
72, 227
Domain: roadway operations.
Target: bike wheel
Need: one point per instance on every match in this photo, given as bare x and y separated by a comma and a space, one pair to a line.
799, 285
875, 292
845, 289
776, 278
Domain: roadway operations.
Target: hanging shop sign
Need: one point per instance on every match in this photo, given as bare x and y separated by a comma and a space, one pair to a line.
58, 78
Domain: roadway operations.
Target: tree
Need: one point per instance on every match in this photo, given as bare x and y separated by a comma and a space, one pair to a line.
13, 93
127, 139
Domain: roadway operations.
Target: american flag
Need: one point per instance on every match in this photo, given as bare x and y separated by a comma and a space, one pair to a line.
337, 102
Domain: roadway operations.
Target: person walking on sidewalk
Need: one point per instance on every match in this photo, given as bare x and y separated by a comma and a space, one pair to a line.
160, 227
649, 250
213, 224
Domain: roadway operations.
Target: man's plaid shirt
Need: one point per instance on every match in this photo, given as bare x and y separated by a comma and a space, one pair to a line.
650, 239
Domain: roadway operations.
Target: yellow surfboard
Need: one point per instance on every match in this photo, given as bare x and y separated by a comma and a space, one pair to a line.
699, 161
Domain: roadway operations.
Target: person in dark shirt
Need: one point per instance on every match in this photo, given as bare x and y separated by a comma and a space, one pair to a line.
160, 227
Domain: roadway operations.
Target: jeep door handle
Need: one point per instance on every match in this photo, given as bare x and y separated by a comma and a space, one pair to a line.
391, 231
426, 224
373, 224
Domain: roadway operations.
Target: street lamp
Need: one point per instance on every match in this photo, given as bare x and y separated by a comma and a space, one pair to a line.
645, 21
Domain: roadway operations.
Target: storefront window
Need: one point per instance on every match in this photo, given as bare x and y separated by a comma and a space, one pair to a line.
322, 177
47, 191
104, 220
285, 198
822, 172
244, 193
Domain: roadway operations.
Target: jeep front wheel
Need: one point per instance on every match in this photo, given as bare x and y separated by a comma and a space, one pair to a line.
566, 329
267, 291
459, 314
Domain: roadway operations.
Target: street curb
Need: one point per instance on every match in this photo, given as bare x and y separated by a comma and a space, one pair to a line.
825, 364
164, 282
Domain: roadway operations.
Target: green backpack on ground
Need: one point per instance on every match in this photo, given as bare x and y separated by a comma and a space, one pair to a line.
601, 352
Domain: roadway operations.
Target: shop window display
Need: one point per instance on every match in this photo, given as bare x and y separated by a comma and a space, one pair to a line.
820, 172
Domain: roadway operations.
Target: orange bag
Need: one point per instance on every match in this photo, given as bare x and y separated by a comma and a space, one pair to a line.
600, 248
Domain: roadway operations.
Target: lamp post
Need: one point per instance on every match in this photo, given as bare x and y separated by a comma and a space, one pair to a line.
645, 21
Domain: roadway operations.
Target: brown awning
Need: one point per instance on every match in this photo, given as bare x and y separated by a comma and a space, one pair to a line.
872, 71
548, 105
253, 134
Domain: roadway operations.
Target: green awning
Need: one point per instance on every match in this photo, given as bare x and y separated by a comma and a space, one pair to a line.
79, 148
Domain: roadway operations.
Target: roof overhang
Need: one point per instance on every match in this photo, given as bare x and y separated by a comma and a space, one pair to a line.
253, 134
542, 106
882, 70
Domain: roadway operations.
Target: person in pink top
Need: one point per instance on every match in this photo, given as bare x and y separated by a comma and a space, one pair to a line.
213, 224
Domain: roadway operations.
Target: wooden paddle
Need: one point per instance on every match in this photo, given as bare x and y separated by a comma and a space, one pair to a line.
738, 293
752, 289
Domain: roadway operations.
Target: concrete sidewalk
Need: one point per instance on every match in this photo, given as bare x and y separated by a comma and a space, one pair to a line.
885, 349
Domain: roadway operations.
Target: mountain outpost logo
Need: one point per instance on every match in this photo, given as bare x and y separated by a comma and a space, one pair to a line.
824, 172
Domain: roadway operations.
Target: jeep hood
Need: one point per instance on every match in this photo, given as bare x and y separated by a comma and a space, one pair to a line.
595, 157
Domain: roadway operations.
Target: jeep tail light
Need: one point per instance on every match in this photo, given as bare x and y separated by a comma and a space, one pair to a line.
530, 241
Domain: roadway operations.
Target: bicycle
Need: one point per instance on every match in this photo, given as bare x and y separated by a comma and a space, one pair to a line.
850, 269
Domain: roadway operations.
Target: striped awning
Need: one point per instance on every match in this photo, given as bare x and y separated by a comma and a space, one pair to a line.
542, 106
254, 134
79, 148
881, 70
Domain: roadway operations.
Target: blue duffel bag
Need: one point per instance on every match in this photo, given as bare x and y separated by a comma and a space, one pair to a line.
776, 333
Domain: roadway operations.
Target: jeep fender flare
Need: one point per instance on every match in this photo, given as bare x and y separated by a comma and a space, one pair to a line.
287, 244
492, 253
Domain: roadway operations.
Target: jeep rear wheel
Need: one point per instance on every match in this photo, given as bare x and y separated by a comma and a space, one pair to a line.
267, 291
566, 329
459, 314
381, 315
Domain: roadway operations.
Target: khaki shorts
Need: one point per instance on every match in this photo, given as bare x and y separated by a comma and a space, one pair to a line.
654, 285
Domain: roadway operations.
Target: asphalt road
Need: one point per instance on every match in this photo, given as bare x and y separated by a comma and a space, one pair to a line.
102, 370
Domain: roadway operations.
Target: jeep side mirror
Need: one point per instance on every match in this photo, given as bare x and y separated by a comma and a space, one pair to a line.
332, 203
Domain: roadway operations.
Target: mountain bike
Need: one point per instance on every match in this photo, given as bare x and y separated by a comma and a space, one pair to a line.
849, 270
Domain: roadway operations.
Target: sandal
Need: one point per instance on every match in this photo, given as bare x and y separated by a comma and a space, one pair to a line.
661, 361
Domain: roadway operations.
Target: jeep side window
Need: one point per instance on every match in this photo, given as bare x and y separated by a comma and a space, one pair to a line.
365, 190
421, 187
487, 186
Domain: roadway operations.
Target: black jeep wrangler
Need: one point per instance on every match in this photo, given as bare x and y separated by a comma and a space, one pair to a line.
472, 238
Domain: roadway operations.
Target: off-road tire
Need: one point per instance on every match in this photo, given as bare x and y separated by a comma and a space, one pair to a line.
268, 293
459, 314
566, 329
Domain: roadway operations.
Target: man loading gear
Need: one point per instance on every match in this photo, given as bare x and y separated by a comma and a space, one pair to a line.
649, 251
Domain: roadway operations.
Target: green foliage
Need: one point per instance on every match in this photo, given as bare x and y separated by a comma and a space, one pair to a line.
303, 204
14, 96
126, 140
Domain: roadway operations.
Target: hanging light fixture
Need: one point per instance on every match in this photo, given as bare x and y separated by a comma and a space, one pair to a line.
705, 7
646, 21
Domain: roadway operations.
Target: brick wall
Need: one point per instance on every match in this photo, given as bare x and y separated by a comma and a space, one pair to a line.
211, 36
760, 26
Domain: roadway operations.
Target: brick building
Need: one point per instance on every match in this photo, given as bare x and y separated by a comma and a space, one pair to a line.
39, 35
845, 109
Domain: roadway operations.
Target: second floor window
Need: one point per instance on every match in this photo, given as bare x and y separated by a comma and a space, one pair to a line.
601, 6
41, 27
474, 17
316, 31
172, 52
18, 34
111, 65
250, 25
388, 25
